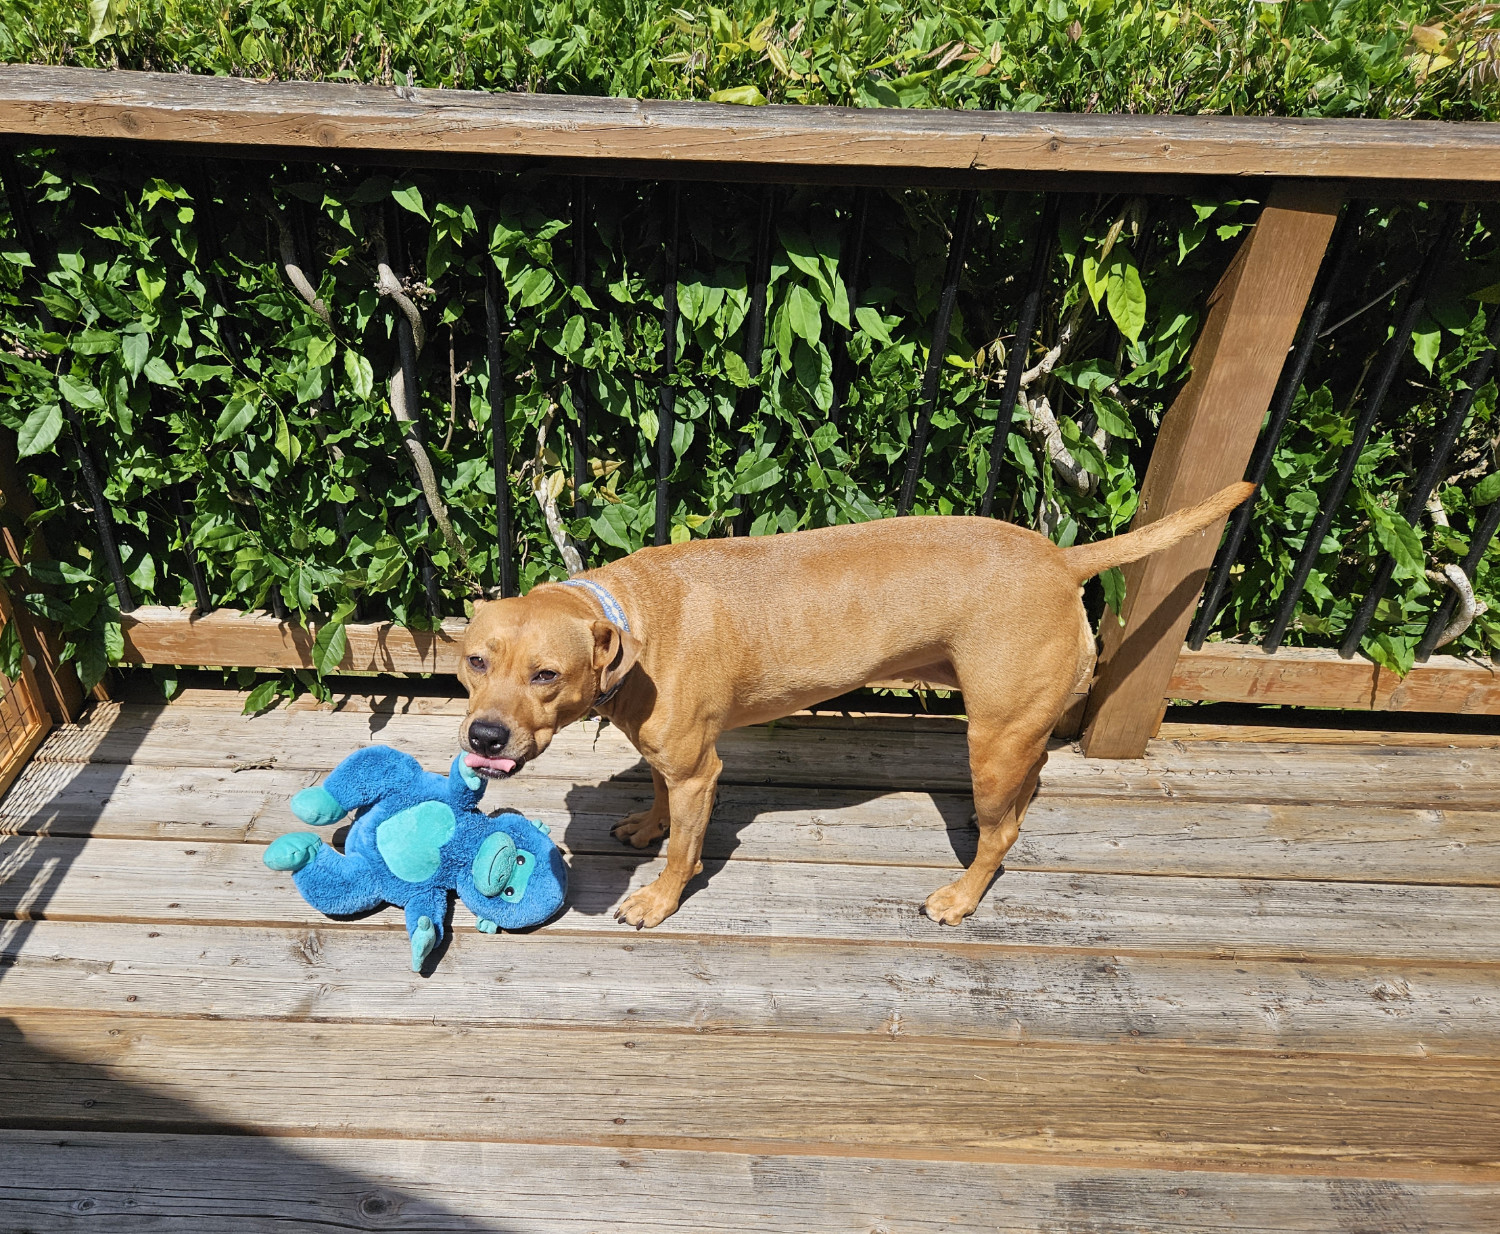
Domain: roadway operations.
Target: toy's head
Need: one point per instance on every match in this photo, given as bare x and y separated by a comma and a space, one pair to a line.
533, 664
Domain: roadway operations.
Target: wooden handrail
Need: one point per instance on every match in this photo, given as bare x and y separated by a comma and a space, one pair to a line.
43, 104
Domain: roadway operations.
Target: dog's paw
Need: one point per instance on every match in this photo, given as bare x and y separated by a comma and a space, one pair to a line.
950, 905
640, 830
649, 906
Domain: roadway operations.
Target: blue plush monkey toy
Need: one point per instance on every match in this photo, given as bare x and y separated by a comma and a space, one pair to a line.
417, 836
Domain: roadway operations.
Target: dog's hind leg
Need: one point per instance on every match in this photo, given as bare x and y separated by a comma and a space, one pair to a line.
1005, 765
647, 826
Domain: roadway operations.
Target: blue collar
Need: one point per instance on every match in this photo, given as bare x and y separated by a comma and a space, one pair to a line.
612, 612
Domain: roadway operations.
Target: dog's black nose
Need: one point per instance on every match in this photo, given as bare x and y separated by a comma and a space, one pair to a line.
487, 739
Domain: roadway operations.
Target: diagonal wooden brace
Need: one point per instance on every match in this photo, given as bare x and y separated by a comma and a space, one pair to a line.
1205, 442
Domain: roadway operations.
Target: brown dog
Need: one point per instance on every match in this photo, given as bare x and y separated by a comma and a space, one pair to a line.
677, 644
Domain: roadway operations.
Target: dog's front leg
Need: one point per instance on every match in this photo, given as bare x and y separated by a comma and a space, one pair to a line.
691, 801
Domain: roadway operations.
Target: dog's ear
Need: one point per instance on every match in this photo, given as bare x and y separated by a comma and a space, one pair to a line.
615, 653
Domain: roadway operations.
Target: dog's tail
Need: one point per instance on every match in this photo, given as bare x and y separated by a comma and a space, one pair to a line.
1087, 560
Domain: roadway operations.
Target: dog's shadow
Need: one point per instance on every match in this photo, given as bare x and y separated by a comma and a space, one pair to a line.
763, 822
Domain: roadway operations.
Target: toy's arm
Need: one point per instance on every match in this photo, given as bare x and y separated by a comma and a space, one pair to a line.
360, 780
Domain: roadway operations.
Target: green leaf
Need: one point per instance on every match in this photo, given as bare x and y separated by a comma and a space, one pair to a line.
102, 22
536, 286
159, 372
612, 525
1487, 490
747, 96
361, 374
409, 197
96, 342
1425, 347
320, 352
873, 324
262, 696
1127, 298
759, 475
11, 651
572, 335
736, 369
329, 647
1093, 280
234, 419
40, 430
1113, 417
135, 347
286, 445
81, 393
1113, 580
803, 314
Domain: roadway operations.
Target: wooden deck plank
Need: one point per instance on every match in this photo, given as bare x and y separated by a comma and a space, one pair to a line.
146, 880
867, 758
644, 1089
1086, 834
211, 1184
554, 980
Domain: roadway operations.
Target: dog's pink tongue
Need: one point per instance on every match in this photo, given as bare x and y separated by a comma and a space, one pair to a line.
505, 765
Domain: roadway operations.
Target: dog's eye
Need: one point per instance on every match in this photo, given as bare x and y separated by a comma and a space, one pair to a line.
477, 664
543, 677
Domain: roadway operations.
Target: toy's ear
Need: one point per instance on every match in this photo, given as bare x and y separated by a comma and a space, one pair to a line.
615, 653
467, 776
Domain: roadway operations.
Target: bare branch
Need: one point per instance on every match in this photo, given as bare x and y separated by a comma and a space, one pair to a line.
1468, 606
409, 347
291, 266
546, 489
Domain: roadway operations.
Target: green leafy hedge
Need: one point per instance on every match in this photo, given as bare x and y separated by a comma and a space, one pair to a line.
157, 311
1308, 57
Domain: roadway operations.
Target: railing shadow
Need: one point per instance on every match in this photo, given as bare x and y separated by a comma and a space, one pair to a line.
84, 1147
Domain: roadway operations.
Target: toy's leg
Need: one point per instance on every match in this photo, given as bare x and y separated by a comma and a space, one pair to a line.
339, 885
360, 780
424, 923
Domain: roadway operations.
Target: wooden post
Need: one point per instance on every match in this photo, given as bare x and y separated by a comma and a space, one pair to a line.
1205, 442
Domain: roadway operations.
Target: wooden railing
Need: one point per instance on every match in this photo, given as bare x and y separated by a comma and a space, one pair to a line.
1303, 171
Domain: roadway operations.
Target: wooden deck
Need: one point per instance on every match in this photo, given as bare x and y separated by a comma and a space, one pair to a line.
1248, 983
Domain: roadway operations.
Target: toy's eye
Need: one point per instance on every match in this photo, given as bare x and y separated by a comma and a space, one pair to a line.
543, 677
477, 663
508, 892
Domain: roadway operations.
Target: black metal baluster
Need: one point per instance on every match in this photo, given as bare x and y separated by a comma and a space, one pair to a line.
505, 566
1292, 375
15, 192
852, 270
212, 243
1020, 347
922, 429
1478, 373
1395, 353
307, 255
1483, 534
578, 427
201, 596
667, 393
748, 401
406, 345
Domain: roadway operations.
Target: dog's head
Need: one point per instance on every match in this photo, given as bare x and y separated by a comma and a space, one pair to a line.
533, 664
